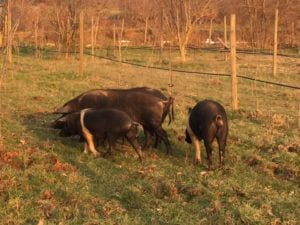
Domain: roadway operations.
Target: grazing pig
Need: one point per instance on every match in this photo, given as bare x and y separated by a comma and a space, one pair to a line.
100, 124
207, 121
148, 110
158, 94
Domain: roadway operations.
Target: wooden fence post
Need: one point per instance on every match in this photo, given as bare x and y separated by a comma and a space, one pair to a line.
146, 30
233, 63
9, 33
2, 32
299, 116
161, 35
36, 27
81, 42
120, 41
210, 31
275, 44
68, 38
292, 33
114, 39
92, 40
225, 36
96, 29
171, 73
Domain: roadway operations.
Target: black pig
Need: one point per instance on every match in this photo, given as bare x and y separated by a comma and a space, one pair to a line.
100, 124
207, 121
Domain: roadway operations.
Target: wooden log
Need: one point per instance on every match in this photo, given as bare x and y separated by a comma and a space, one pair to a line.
223, 43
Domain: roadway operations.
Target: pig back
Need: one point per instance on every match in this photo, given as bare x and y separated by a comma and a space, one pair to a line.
204, 114
108, 120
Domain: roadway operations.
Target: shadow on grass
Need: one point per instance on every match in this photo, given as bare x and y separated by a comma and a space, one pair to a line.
182, 155
40, 125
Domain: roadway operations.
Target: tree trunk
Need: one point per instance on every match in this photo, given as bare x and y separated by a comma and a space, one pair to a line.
146, 30
182, 48
9, 33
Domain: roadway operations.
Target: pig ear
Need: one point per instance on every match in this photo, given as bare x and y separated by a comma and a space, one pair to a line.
135, 123
63, 110
57, 124
219, 121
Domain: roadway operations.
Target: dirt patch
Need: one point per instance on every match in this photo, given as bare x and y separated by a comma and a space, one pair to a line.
165, 190
254, 160
273, 169
47, 195
290, 147
57, 165
38, 98
11, 159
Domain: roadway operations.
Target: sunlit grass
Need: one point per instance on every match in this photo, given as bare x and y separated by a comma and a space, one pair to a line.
44, 176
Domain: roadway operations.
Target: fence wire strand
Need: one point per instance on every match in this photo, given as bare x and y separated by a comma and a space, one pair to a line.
173, 70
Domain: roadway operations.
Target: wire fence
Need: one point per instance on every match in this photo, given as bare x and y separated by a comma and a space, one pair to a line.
167, 69
265, 98
219, 49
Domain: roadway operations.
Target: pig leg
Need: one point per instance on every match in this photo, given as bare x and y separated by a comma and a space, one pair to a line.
87, 135
131, 137
133, 141
208, 148
111, 145
86, 148
157, 140
196, 143
161, 133
198, 150
89, 139
148, 139
222, 144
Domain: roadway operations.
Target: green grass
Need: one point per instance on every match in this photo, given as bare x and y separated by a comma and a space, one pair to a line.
44, 176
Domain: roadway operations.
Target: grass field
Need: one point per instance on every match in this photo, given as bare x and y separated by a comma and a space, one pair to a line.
45, 178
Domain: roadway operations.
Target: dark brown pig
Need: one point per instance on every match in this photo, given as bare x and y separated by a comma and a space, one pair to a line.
158, 94
169, 112
147, 110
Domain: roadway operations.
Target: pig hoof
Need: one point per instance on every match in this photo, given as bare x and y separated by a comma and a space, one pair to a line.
142, 159
198, 162
97, 154
169, 151
108, 153
145, 148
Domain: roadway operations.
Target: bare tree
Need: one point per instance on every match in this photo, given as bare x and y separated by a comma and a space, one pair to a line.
182, 17
255, 19
181, 23
63, 17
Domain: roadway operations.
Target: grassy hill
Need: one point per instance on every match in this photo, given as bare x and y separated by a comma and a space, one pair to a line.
45, 178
